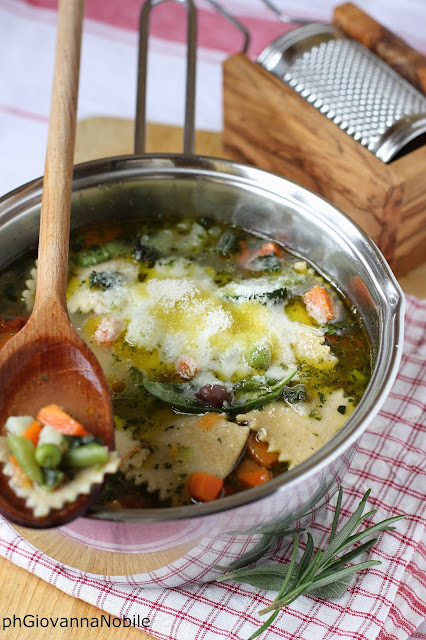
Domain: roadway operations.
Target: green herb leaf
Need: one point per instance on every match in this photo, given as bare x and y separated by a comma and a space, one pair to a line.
227, 242
295, 394
144, 252
248, 394
181, 396
269, 576
105, 280
323, 574
257, 391
263, 289
269, 263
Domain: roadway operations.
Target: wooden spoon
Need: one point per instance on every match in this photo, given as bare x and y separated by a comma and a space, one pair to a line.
47, 361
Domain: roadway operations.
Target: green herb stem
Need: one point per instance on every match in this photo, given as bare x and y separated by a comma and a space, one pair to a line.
323, 574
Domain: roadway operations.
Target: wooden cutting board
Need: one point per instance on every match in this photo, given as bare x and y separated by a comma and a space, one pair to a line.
22, 593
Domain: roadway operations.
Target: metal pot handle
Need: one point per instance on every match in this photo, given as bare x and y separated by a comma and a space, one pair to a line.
284, 17
233, 20
189, 124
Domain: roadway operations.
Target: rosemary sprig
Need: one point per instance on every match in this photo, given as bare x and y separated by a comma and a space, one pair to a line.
322, 573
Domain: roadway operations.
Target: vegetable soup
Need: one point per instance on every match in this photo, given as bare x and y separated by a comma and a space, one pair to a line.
229, 359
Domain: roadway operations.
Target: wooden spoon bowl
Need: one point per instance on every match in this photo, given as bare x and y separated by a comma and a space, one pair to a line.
40, 367
47, 361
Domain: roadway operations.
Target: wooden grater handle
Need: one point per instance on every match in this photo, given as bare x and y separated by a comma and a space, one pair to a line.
396, 52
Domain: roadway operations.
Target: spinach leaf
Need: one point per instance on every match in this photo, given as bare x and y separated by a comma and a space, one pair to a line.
144, 252
269, 263
257, 391
73, 442
263, 289
105, 279
295, 394
227, 242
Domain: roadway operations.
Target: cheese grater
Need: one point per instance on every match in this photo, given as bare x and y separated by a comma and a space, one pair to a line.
351, 86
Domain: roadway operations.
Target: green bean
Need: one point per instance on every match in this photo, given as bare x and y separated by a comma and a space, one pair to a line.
86, 456
48, 455
92, 256
23, 451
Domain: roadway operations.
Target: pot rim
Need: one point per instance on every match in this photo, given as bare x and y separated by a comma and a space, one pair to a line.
108, 170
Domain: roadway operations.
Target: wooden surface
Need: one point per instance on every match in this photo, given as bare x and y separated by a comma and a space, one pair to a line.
22, 593
396, 52
268, 124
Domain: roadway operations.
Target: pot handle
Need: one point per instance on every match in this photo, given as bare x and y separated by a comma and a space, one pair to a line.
284, 17
140, 124
233, 20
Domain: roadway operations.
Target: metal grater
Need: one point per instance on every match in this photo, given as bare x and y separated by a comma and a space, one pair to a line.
351, 86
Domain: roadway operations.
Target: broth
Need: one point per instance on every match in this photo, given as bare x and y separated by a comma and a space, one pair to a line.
227, 357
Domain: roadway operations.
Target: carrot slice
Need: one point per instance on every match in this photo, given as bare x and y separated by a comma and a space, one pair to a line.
267, 249
258, 451
33, 431
61, 421
247, 255
319, 304
209, 420
244, 255
251, 474
204, 487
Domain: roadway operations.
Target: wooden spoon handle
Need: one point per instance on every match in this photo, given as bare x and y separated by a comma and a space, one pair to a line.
396, 52
52, 269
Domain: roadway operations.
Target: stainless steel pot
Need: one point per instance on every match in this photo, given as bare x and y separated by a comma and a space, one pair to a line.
178, 545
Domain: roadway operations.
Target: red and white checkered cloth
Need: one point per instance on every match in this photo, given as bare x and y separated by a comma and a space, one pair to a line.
387, 602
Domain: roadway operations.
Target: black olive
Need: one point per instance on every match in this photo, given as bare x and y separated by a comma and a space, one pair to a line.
214, 395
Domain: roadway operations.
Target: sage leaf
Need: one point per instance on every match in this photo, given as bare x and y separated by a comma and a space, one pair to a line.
181, 396
331, 591
269, 576
342, 574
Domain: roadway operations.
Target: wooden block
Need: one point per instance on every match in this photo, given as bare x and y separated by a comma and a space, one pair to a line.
269, 125
396, 52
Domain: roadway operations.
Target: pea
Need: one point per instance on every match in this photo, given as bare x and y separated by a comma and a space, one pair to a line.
86, 455
48, 455
259, 356
23, 451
